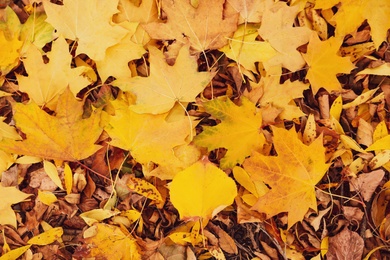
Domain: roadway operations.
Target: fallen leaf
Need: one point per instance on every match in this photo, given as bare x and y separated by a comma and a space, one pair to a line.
87, 22
290, 183
115, 63
245, 50
352, 14
144, 188
46, 81
15, 253
366, 183
321, 57
166, 85
149, 138
109, 242
277, 28
183, 24
9, 54
47, 237
345, 245
282, 95
8, 197
66, 136
201, 190
237, 123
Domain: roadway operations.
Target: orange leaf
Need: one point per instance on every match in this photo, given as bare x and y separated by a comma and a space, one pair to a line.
291, 175
66, 136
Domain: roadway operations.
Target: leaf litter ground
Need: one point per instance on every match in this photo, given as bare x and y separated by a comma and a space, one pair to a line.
130, 130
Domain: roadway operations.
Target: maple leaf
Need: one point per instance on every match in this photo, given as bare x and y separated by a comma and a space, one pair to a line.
145, 12
8, 197
166, 84
291, 175
250, 11
183, 24
325, 64
239, 131
276, 28
149, 138
115, 63
282, 95
45, 81
88, 22
201, 190
352, 14
65, 136
245, 50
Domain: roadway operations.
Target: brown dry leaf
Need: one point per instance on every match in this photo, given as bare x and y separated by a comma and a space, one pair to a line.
226, 242
65, 136
345, 245
205, 27
366, 183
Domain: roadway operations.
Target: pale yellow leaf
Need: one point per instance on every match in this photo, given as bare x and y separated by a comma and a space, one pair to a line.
51, 171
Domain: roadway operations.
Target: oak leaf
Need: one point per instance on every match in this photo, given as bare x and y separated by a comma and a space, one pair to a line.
277, 28
325, 64
291, 175
87, 22
45, 81
205, 26
8, 197
65, 136
166, 85
201, 190
239, 131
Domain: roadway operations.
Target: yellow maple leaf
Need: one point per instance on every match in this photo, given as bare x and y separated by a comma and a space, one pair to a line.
352, 13
149, 138
201, 190
277, 28
105, 241
45, 81
88, 22
65, 136
325, 64
115, 63
239, 131
8, 197
282, 95
250, 11
245, 50
205, 26
291, 175
166, 85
